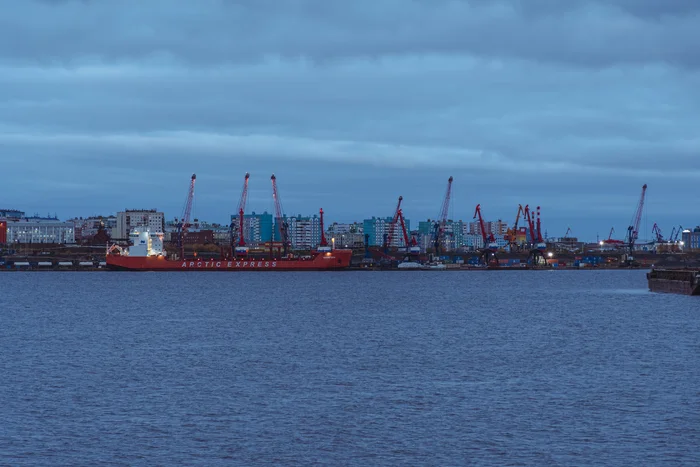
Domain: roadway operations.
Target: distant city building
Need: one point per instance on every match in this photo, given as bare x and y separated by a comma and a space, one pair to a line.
40, 230
88, 227
257, 228
141, 218
691, 239
304, 231
377, 227
346, 235
11, 214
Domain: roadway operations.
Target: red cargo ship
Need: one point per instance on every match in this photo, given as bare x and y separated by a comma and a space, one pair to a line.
320, 261
147, 254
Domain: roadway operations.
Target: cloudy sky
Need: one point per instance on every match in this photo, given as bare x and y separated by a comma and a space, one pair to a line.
571, 105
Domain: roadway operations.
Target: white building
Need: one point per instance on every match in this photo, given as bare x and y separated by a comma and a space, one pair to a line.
304, 232
40, 230
141, 218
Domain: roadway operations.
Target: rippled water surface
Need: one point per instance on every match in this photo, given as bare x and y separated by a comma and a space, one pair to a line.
353, 368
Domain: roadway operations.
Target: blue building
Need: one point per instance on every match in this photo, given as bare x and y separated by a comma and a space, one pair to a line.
691, 240
257, 228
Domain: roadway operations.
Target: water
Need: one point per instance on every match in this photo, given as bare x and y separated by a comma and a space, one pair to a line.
368, 368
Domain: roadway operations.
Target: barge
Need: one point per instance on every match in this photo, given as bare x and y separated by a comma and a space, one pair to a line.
679, 281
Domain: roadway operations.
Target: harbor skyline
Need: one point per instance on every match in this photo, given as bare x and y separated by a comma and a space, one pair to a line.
104, 110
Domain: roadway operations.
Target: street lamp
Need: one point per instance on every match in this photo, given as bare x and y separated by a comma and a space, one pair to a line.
333, 242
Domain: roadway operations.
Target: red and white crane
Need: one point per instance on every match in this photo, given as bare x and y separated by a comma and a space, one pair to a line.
439, 228
241, 248
535, 230
183, 224
280, 220
489, 240
633, 229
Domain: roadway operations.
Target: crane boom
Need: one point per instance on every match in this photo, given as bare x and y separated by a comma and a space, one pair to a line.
184, 223
394, 220
241, 210
633, 229
279, 216
439, 229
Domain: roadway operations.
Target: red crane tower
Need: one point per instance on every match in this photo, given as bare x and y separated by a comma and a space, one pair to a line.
439, 228
241, 248
490, 246
184, 223
323, 246
633, 229
280, 220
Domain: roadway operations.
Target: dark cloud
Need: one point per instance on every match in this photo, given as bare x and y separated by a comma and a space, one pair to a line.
572, 105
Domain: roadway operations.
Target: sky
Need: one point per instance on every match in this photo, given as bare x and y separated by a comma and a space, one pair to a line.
570, 105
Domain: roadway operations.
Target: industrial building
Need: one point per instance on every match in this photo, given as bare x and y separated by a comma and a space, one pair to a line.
142, 218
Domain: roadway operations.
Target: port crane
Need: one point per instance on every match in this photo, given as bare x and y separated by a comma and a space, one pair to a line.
410, 245
511, 234
240, 248
656, 231
675, 233
183, 224
280, 220
439, 227
633, 229
488, 253
537, 243
323, 245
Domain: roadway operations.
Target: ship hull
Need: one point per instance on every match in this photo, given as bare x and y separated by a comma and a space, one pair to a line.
331, 261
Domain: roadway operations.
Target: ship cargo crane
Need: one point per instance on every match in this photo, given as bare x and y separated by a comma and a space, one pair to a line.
323, 245
633, 229
280, 220
241, 249
488, 253
183, 224
439, 227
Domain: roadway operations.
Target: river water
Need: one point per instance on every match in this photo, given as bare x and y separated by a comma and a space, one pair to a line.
582, 368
